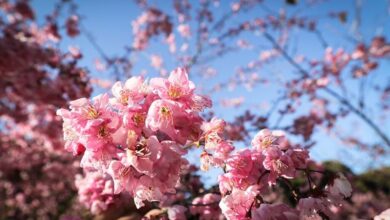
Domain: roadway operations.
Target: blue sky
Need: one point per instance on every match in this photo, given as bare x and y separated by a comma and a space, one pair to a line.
110, 24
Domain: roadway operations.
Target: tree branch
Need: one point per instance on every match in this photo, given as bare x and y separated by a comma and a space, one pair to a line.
329, 91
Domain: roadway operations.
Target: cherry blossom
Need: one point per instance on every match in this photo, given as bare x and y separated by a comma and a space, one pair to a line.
238, 203
206, 207
177, 212
275, 211
135, 141
95, 192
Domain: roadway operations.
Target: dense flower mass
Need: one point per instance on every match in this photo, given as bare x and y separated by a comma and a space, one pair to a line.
37, 77
138, 138
134, 144
249, 171
138, 135
95, 191
206, 207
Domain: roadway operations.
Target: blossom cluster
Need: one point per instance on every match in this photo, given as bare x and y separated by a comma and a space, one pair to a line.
33, 182
138, 139
151, 23
206, 207
273, 158
138, 136
95, 191
36, 177
249, 171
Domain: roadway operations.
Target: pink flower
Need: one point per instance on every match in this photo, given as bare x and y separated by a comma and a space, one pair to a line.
161, 117
176, 87
242, 176
279, 164
124, 177
334, 62
147, 189
187, 123
96, 135
148, 171
95, 191
144, 154
240, 163
131, 93
212, 132
199, 103
177, 212
221, 152
235, 7
99, 159
340, 187
216, 157
169, 165
134, 118
218, 149
266, 138
226, 183
170, 40
237, 204
184, 30
383, 216
311, 208
156, 61
275, 211
83, 111
299, 157
229, 182
88, 124
206, 207
205, 161
263, 139
71, 136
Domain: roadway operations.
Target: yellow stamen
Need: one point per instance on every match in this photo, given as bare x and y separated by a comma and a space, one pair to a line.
124, 97
174, 92
92, 113
103, 132
131, 138
165, 112
141, 150
267, 142
139, 119
280, 166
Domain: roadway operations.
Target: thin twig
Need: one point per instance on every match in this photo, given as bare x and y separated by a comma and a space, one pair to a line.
290, 186
334, 94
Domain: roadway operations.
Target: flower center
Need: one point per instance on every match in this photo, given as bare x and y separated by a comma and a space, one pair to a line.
174, 92
103, 132
131, 138
165, 112
212, 137
280, 166
92, 113
141, 150
124, 97
266, 142
139, 119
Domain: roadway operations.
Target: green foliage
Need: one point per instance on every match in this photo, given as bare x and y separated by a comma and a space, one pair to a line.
375, 181
336, 166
